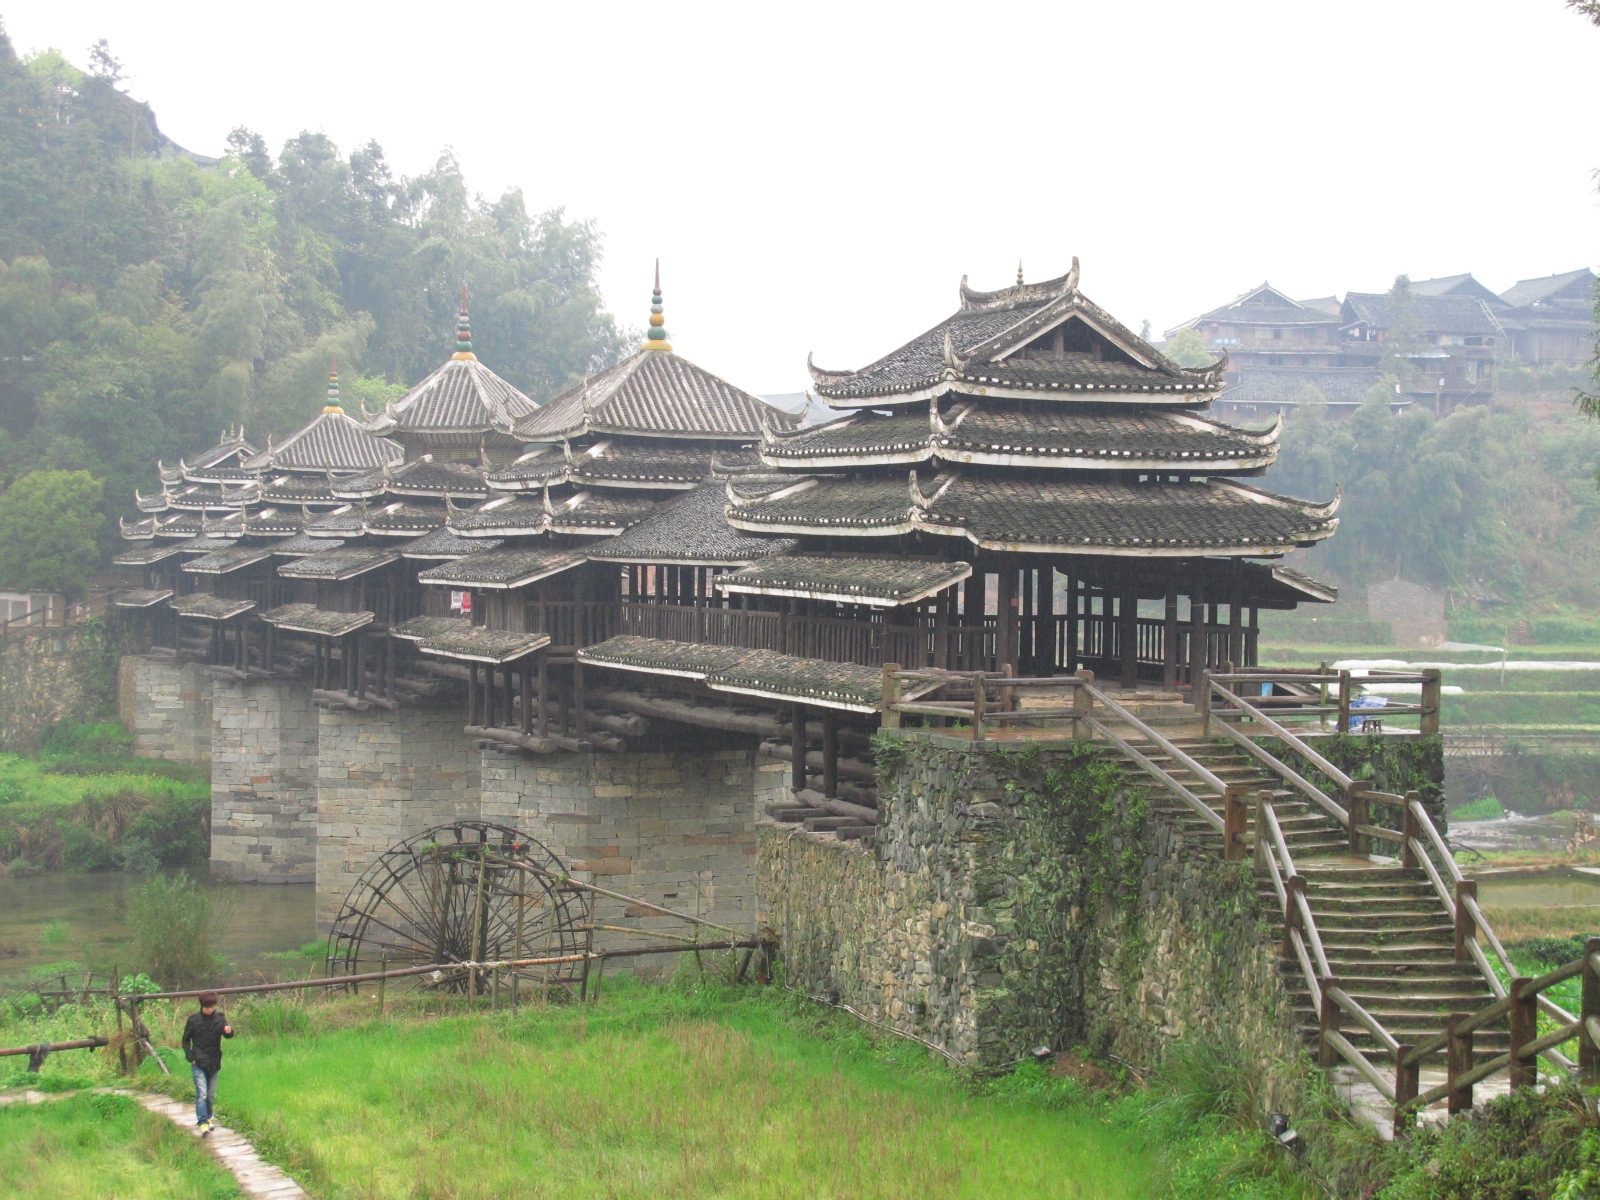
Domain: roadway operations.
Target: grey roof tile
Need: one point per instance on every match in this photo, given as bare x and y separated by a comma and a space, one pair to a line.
883, 582
345, 563
330, 441
690, 529
308, 618
206, 607
503, 568
463, 396
739, 671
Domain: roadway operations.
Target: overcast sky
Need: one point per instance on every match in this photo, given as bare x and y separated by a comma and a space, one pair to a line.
819, 176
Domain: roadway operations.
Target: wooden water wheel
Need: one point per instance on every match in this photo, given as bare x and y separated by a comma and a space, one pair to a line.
466, 892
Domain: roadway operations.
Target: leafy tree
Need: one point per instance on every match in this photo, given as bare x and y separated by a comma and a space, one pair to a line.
1588, 8
48, 521
1188, 348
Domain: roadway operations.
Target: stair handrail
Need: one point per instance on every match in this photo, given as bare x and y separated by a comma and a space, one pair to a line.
1217, 688
1204, 810
1156, 739
1286, 772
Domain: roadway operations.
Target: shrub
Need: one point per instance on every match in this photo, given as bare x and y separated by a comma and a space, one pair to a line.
83, 849
278, 1018
54, 933
176, 926
137, 856
86, 739
175, 829
1487, 809
1553, 951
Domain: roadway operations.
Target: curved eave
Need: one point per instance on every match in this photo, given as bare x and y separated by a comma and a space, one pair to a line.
881, 602
791, 697
1131, 547
676, 483
875, 458
501, 531
820, 530
588, 530
529, 485
1063, 460
933, 389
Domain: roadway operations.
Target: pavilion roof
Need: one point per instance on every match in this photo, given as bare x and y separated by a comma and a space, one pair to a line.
653, 392
690, 530
299, 489
144, 556
419, 629
503, 568
1432, 314
349, 521
1069, 516
344, 563
206, 607
215, 463
227, 560
462, 399
880, 582
405, 520
1576, 285
330, 441
1031, 436
582, 513
141, 597
442, 544
308, 618
303, 543
478, 643
1283, 385
738, 671
975, 349
421, 477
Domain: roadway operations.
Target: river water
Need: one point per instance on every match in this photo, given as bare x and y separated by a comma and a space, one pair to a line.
55, 918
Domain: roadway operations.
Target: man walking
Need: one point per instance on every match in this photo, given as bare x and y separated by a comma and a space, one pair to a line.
202, 1046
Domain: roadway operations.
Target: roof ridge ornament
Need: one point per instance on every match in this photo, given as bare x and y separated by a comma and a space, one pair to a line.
821, 374
953, 362
922, 502
333, 405
463, 333
656, 338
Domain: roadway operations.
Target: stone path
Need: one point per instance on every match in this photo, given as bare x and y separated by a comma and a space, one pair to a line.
258, 1180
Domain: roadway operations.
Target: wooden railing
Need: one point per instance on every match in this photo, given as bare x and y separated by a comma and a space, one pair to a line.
54, 616
1322, 693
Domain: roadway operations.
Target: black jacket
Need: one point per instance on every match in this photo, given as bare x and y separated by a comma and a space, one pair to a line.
202, 1040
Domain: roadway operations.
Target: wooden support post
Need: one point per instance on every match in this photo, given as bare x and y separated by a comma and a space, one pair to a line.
1294, 886
1406, 1081
1074, 621
1044, 621
797, 748
1235, 821
830, 753
1327, 1022
472, 693
1235, 625
526, 685
1197, 643
891, 696
544, 692
1006, 616
980, 701
1430, 700
1410, 830
581, 715
1344, 703
1082, 707
361, 664
1128, 632
1466, 927
1588, 1048
1523, 1068
1355, 799
1200, 695
1169, 633
1459, 1055
1260, 826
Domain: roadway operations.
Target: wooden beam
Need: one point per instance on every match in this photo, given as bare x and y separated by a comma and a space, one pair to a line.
797, 735
830, 752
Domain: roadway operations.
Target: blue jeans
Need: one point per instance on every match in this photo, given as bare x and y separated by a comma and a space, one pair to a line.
205, 1093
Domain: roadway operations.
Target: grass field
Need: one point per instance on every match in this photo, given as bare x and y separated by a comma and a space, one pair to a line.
91, 1147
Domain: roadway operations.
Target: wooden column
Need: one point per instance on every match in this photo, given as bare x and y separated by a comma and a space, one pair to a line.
360, 665
830, 753
1197, 637
527, 695
1252, 638
797, 748
1045, 621
1169, 633
1074, 623
578, 713
1005, 640
544, 691
505, 695
472, 693
1128, 630
1236, 625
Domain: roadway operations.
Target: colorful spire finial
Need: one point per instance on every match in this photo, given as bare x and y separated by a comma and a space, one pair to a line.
1019, 272
656, 339
463, 331
333, 404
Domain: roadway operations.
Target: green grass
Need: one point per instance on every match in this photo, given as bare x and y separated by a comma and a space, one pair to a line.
653, 1094
88, 1147
1486, 809
28, 788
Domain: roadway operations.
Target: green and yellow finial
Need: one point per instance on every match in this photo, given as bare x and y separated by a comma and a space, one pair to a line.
464, 332
656, 339
333, 404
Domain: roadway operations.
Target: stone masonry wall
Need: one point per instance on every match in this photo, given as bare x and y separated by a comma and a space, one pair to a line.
675, 828
1012, 899
264, 782
50, 675
382, 777
166, 703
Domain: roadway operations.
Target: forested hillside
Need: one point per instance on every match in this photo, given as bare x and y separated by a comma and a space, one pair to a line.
150, 296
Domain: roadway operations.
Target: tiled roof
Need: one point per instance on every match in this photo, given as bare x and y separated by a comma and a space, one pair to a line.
746, 672
230, 450
344, 563
653, 392
585, 513
634, 464
882, 582
1064, 516
1432, 314
1305, 587
477, 643
596, 513
1043, 435
420, 477
504, 516
273, 522
419, 629
976, 345
145, 556
136, 531
405, 520
330, 441
1527, 292
308, 618
534, 470
442, 544
690, 529
198, 497
227, 560
1283, 385
1455, 285
349, 521
141, 597
304, 543
206, 607
502, 568
185, 525
298, 489
463, 396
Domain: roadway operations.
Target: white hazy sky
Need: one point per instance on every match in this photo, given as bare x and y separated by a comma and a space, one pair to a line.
819, 176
